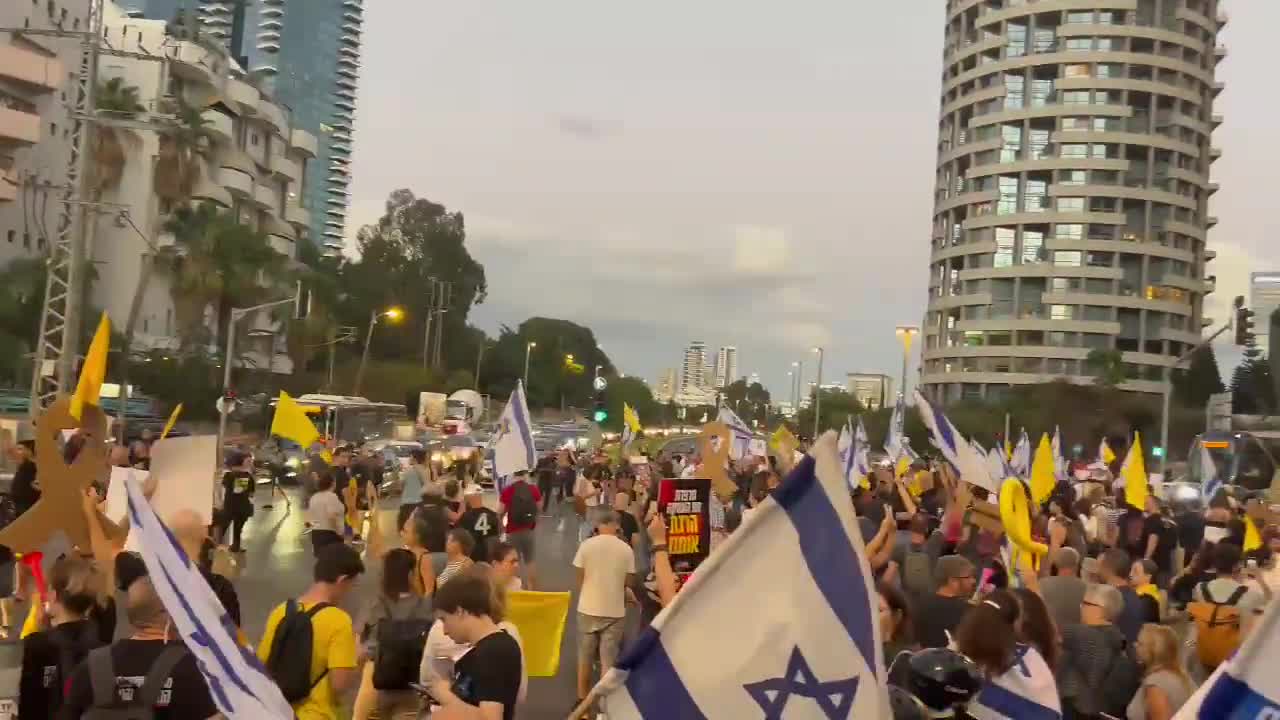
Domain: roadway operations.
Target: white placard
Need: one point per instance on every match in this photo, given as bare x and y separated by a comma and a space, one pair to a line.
185, 468
117, 496
757, 446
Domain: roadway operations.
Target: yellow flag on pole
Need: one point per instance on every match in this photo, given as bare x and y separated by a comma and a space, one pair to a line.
540, 618
173, 420
1134, 472
1105, 454
783, 437
630, 418
1042, 477
291, 422
94, 371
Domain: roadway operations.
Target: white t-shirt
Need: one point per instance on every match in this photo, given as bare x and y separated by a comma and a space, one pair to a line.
606, 560
582, 487
326, 511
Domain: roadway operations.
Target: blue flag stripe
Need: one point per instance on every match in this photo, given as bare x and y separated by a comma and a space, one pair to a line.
523, 423
653, 683
1013, 705
1231, 699
832, 561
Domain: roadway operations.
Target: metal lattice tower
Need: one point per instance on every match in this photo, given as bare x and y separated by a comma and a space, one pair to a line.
60, 320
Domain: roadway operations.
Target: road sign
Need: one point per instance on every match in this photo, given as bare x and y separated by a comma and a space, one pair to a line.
1218, 413
226, 405
600, 384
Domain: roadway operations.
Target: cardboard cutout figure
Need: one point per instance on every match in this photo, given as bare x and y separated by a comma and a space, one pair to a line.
713, 446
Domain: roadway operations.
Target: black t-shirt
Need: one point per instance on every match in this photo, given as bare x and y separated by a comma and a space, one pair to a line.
1166, 541
225, 592
23, 489
483, 524
105, 618
490, 672
627, 526
934, 616
186, 696
48, 660
238, 488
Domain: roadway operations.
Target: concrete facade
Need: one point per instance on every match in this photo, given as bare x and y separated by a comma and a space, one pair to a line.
1072, 191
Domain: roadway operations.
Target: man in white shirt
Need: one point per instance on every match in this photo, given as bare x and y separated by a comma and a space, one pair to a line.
606, 567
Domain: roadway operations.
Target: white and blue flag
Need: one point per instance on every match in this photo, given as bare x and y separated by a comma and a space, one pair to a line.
997, 466
959, 452
741, 432
1020, 463
1059, 460
240, 686
1210, 482
710, 655
1027, 691
512, 443
861, 452
853, 451
893, 438
844, 446
1246, 686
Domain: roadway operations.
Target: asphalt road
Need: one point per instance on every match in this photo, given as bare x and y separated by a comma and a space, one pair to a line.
277, 565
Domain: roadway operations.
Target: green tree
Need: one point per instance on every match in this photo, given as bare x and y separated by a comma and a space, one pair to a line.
1107, 367
116, 101
1252, 387
634, 392
183, 146
836, 407
1273, 350
551, 381
749, 401
22, 284
1193, 386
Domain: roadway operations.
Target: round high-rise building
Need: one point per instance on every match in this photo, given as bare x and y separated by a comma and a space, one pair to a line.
1072, 191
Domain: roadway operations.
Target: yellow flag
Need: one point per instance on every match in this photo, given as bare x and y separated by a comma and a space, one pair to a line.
783, 437
291, 422
1042, 479
1134, 472
630, 418
1252, 540
540, 618
1105, 453
31, 625
173, 420
94, 371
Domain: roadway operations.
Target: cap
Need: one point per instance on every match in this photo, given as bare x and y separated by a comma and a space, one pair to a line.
129, 568
472, 489
520, 473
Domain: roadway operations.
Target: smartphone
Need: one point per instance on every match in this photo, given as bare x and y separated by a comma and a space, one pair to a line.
1252, 565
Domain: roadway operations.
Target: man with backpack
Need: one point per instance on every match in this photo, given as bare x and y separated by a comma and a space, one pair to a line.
1098, 671
1223, 608
143, 677
520, 508
309, 645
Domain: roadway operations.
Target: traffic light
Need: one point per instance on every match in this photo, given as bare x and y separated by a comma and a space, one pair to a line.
1243, 323
1157, 451
600, 413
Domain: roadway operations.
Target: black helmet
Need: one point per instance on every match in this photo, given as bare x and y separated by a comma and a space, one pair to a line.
905, 706
943, 679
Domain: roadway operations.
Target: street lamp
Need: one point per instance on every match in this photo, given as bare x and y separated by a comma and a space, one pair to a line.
905, 333
791, 388
799, 366
394, 314
817, 392
528, 348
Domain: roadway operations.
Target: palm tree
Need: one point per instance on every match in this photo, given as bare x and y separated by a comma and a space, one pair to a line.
1107, 367
215, 260
115, 101
182, 147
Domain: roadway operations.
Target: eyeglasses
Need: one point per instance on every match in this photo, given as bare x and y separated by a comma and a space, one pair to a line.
1089, 604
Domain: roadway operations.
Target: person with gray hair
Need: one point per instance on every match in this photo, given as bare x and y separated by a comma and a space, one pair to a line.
148, 667
1063, 590
606, 569
1097, 663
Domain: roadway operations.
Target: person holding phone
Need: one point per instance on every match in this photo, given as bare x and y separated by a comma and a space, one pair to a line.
486, 680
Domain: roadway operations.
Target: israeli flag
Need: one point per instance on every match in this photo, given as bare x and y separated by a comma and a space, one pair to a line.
861, 452
852, 447
893, 439
513, 442
1246, 686
1211, 483
240, 686
1027, 691
997, 466
1020, 463
844, 447
709, 655
1059, 461
742, 433
971, 466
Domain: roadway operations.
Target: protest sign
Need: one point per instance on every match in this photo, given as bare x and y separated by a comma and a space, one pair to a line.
686, 503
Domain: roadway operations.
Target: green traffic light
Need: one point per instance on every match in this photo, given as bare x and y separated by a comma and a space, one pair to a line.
601, 416
1157, 452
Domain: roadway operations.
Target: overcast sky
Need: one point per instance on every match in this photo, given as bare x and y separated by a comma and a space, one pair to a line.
741, 172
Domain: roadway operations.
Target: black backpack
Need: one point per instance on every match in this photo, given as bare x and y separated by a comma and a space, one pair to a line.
524, 511
289, 662
141, 706
1123, 679
401, 642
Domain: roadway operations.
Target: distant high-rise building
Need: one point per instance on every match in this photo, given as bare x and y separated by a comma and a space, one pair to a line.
726, 366
753, 379
665, 391
873, 391
221, 19
693, 371
1264, 298
309, 56
1072, 191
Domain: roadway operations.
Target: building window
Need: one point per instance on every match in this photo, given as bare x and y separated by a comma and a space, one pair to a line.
11, 235
1074, 150
1070, 204
1004, 247
1039, 144
1075, 97
1062, 312
1068, 258
1035, 198
1032, 247
1012, 147
1014, 87
1077, 44
1097, 313
1062, 284
1108, 70
1075, 123
1072, 177
1017, 40
1068, 231
1076, 70
1008, 203
1080, 17
1001, 339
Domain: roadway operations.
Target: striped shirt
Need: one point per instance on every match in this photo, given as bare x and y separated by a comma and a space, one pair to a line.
451, 569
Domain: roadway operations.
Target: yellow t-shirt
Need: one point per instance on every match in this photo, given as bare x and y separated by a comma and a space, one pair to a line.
333, 647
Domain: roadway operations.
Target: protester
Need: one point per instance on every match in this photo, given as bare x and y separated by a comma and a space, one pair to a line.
325, 513
393, 614
519, 502
50, 655
148, 668
480, 521
916, 558
413, 483
486, 680
1160, 539
606, 568
425, 534
453, 500
1224, 608
1114, 567
1142, 577
628, 526
328, 666
237, 488
586, 498
1097, 665
1063, 590
25, 486
1166, 687
938, 614
895, 622
457, 549
989, 637
1197, 570
505, 562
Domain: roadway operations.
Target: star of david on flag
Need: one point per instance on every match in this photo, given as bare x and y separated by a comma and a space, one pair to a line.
512, 444
710, 655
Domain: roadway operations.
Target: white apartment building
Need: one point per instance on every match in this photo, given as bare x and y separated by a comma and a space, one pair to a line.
665, 390
726, 366
873, 390
693, 372
255, 170
1264, 299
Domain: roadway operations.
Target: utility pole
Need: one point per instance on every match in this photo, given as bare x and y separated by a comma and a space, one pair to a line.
426, 336
445, 295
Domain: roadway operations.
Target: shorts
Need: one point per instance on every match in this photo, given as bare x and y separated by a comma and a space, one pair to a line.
522, 541
600, 635
403, 514
323, 538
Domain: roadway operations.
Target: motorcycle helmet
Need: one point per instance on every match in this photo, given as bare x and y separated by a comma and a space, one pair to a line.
943, 679
905, 706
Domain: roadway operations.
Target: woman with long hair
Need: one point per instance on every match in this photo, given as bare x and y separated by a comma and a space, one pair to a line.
395, 601
989, 637
895, 623
65, 638
1035, 625
1165, 684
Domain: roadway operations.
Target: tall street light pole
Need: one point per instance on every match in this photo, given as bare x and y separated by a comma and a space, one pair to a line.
528, 348
905, 333
817, 393
394, 313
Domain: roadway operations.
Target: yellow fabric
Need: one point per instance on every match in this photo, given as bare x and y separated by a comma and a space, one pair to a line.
94, 370
173, 420
1105, 453
1152, 592
1015, 515
291, 422
540, 618
1134, 472
630, 418
1042, 478
1252, 540
782, 437
333, 647
32, 624
352, 496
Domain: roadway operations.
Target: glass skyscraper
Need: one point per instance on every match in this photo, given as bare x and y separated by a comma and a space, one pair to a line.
308, 53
